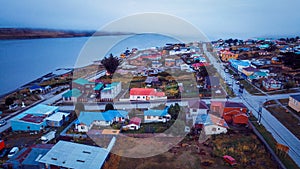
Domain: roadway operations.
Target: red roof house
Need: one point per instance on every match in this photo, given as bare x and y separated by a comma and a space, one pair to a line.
146, 94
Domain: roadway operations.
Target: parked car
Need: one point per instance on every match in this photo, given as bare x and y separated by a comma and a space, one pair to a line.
13, 152
4, 152
230, 160
237, 82
2, 122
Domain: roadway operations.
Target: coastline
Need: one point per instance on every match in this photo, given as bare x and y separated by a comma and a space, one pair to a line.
37, 81
29, 33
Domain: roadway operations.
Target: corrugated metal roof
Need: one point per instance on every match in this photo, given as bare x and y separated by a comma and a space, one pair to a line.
74, 155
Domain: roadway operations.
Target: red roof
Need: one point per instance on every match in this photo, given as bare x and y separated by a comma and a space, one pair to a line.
33, 118
146, 92
135, 120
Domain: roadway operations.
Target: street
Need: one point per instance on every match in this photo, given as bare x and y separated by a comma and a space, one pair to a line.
280, 133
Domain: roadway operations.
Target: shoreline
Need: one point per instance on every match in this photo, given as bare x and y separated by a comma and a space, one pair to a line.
38, 80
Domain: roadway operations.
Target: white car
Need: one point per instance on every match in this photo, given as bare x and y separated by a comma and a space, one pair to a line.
13, 152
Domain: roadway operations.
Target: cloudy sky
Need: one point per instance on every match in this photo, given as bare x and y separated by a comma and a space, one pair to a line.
215, 18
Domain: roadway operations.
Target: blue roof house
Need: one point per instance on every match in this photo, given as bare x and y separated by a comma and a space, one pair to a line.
33, 119
86, 120
238, 65
74, 155
154, 116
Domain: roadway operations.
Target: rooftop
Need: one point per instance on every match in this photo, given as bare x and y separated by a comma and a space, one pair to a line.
35, 113
58, 116
296, 97
33, 118
98, 86
146, 91
199, 104
72, 93
82, 156
156, 112
87, 118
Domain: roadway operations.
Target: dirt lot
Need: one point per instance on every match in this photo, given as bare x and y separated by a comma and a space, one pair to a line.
242, 145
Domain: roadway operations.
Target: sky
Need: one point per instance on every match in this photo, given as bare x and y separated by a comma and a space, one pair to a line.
215, 18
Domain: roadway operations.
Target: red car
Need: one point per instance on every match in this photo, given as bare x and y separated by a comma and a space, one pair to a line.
230, 160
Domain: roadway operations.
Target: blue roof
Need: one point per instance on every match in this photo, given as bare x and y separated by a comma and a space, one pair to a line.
201, 118
38, 110
88, 117
156, 112
35, 87
296, 97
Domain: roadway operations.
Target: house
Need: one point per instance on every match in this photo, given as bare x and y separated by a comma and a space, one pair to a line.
39, 89
247, 71
110, 91
225, 56
156, 64
231, 111
184, 67
74, 155
154, 116
270, 84
238, 65
169, 62
57, 119
146, 94
85, 86
212, 82
196, 107
294, 102
134, 124
27, 158
215, 125
72, 95
152, 80
86, 120
257, 75
33, 119
178, 62
196, 66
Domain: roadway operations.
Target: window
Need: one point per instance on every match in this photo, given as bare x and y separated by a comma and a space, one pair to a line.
213, 129
148, 117
82, 127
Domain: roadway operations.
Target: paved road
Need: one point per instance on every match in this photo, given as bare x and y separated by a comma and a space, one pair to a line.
279, 132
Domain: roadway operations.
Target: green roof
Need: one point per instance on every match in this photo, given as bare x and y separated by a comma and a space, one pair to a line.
252, 77
72, 93
82, 81
98, 86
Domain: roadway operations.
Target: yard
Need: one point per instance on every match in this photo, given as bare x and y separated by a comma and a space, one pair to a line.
285, 117
189, 153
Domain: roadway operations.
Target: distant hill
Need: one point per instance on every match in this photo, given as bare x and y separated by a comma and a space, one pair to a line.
27, 33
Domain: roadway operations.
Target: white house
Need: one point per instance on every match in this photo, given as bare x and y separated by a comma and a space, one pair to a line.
134, 124
215, 125
196, 107
146, 94
111, 91
86, 120
154, 116
184, 67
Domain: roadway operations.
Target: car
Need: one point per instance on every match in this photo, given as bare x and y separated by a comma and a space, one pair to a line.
230, 160
13, 152
4, 152
237, 82
2, 123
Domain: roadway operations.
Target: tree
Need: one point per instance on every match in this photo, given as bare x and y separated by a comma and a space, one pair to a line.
111, 63
9, 101
109, 106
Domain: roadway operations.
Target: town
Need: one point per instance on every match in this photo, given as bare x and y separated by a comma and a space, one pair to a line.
228, 103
